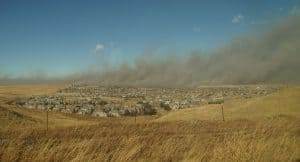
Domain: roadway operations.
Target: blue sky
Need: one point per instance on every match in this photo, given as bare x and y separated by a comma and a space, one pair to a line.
65, 36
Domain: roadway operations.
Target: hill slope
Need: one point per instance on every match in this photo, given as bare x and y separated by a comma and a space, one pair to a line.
260, 129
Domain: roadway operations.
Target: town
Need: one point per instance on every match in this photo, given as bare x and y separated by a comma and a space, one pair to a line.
101, 101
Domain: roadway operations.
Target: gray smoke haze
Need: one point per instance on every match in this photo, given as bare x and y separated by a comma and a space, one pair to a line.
9, 80
271, 56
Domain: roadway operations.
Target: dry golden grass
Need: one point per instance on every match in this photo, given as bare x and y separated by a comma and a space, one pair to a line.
13, 91
254, 130
284, 102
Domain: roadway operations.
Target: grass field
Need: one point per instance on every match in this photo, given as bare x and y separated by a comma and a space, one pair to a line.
257, 129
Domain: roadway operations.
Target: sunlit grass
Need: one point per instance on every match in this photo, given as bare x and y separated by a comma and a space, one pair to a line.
259, 129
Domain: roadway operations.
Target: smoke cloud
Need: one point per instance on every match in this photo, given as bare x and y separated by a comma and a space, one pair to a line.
271, 56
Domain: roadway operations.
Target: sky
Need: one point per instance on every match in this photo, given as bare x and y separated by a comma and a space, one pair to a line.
59, 37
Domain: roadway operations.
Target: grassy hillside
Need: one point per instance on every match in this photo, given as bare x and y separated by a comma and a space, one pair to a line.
10, 92
258, 129
286, 102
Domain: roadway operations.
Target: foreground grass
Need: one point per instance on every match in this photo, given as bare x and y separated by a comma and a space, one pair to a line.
254, 130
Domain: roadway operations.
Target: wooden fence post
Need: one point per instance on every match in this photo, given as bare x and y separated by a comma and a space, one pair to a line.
222, 107
135, 115
47, 119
